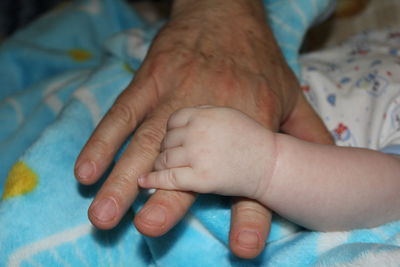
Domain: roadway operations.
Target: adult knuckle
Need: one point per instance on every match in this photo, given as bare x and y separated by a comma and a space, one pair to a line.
150, 139
122, 114
101, 147
179, 200
125, 180
185, 54
250, 211
159, 60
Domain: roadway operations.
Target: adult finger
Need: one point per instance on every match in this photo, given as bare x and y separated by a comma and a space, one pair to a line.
162, 211
120, 189
250, 225
304, 123
127, 111
171, 158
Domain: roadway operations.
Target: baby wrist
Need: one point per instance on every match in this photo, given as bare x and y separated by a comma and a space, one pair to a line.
270, 164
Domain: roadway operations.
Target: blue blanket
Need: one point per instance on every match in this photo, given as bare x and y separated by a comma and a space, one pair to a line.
57, 78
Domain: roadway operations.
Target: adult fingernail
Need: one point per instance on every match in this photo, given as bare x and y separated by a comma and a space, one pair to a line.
85, 170
154, 215
248, 239
104, 210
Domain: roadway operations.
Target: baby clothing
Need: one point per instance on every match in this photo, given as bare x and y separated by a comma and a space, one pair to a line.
355, 87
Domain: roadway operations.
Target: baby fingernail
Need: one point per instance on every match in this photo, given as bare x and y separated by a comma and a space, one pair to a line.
141, 180
105, 210
248, 239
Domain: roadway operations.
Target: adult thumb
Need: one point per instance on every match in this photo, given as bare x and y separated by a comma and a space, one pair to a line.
304, 123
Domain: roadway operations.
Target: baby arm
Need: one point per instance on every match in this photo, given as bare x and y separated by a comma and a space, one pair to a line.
330, 188
322, 187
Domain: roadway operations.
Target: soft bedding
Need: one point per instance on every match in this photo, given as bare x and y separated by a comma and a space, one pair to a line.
57, 78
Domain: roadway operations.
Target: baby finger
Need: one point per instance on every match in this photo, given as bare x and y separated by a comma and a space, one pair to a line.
171, 158
182, 179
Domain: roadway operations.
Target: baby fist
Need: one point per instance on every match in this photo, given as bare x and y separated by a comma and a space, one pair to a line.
213, 150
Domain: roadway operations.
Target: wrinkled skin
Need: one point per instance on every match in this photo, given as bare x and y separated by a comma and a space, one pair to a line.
208, 53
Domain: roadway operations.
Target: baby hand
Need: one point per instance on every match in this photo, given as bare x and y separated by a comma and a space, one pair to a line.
214, 150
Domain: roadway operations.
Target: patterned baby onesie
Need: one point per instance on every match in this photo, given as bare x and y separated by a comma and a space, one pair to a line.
355, 87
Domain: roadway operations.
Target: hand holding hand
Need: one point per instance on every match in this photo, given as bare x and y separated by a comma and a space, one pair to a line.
208, 53
214, 150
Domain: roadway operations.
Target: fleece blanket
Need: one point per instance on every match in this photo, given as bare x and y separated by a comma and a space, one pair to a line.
57, 78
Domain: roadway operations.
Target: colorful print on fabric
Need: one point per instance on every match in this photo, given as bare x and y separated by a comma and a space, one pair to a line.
20, 181
373, 83
341, 132
128, 68
80, 54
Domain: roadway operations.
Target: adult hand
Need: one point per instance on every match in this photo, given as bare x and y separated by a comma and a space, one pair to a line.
210, 52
